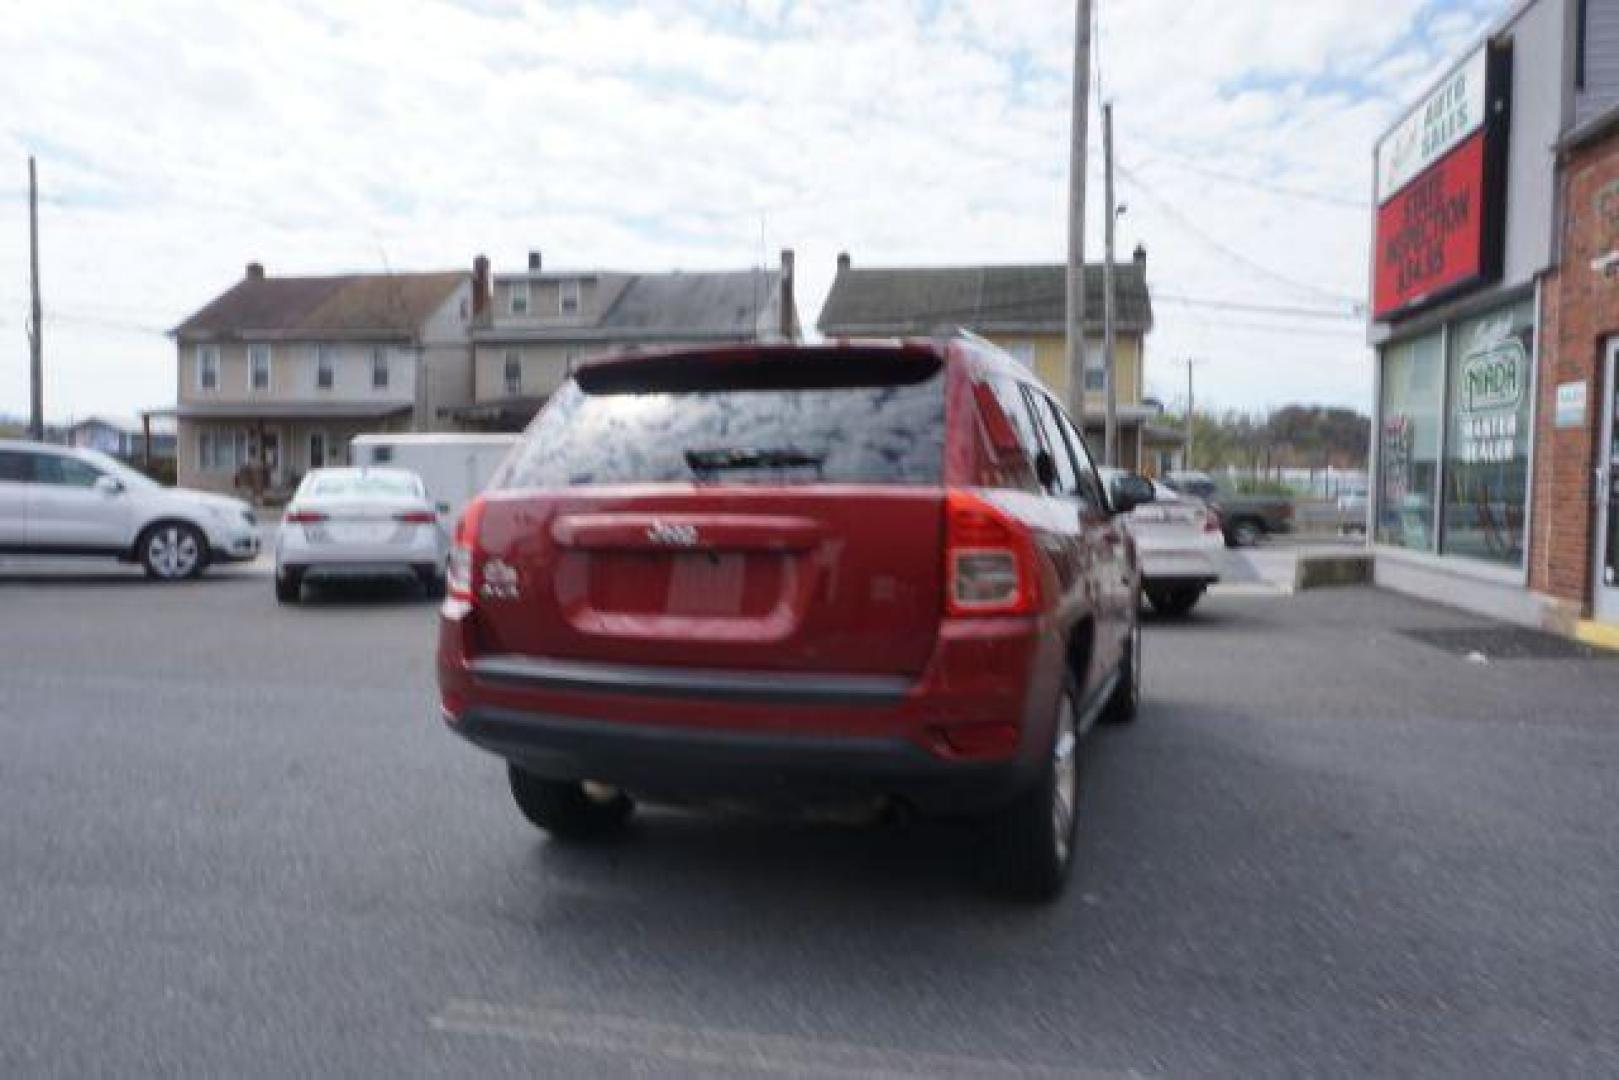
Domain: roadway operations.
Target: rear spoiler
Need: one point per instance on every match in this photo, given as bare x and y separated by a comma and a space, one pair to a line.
763, 367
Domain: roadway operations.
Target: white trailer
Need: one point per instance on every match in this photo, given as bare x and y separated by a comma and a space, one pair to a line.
454, 466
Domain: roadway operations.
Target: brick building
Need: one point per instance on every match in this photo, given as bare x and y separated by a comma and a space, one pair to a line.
1495, 315
1575, 551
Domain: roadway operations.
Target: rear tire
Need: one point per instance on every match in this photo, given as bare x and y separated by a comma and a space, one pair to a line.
1175, 602
565, 809
1246, 532
289, 586
1034, 836
431, 579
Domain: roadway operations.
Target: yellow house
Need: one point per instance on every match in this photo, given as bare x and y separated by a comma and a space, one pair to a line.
1023, 310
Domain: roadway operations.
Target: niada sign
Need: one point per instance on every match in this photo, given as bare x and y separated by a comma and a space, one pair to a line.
1438, 124
1493, 377
1492, 383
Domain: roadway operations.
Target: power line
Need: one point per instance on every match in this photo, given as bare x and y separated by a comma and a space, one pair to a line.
1221, 246
1270, 187
1252, 308
1322, 332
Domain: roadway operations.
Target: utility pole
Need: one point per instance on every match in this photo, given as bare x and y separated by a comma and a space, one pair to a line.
36, 369
1110, 430
1077, 146
1189, 404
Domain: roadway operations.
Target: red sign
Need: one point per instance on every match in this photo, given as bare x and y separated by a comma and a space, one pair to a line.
1430, 236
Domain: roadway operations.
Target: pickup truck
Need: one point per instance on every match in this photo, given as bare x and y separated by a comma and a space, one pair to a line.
1245, 519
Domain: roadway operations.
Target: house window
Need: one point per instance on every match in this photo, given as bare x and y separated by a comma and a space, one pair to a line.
518, 301
207, 367
317, 449
1095, 369
1581, 21
514, 373
568, 298
221, 451
258, 363
379, 369
323, 367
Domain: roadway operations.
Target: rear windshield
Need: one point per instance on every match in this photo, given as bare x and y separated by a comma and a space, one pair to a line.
740, 422
364, 485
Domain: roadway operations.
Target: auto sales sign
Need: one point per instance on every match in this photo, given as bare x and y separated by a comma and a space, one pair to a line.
1441, 186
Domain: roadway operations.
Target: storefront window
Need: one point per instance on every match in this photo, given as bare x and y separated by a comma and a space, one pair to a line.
1408, 452
1487, 456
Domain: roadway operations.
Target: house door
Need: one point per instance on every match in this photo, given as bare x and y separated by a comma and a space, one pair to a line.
270, 457
1605, 595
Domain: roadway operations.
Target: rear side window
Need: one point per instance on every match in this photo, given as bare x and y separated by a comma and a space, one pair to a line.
1087, 484
16, 467
782, 420
64, 471
1061, 454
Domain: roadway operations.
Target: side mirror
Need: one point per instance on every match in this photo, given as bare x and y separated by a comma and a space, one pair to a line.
109, 485
1045, 470
1130, 491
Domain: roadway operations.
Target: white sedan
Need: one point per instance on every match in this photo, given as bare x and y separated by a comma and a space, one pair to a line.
347, 523
1181, 546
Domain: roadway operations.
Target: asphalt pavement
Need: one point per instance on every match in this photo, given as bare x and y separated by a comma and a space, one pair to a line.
234, 840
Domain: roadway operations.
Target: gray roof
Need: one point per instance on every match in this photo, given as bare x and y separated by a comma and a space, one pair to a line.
677, 306
921, 300
721, 303
345, 305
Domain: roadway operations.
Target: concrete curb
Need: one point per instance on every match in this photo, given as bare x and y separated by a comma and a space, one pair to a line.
1598, 635
1326, 571
1250, 589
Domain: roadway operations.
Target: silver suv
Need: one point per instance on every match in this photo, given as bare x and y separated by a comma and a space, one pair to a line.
56, 500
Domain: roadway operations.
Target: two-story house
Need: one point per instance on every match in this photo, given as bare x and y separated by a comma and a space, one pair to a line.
1022, 309
536, 324
277, 374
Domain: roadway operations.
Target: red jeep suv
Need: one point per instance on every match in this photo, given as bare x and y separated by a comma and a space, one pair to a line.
857, 575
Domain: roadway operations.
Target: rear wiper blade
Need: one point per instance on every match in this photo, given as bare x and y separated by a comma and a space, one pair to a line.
751, 457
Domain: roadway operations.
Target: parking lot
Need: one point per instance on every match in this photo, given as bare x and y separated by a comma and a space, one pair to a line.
234, 840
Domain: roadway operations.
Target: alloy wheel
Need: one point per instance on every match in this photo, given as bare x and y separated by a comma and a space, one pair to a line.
173, 552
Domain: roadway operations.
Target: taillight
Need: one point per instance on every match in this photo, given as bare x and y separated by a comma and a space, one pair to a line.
463, 553
989, 560
1211, 521
416, 517
306, 517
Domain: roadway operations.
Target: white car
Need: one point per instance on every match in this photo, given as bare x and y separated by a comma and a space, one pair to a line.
1180, 543
454, 466
58, 500
359, 523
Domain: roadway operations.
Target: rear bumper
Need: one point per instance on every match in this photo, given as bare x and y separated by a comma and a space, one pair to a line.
961, 738
419, 547
681, 763
1182, 566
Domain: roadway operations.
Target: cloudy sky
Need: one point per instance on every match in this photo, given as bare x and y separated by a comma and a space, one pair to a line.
178, 141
